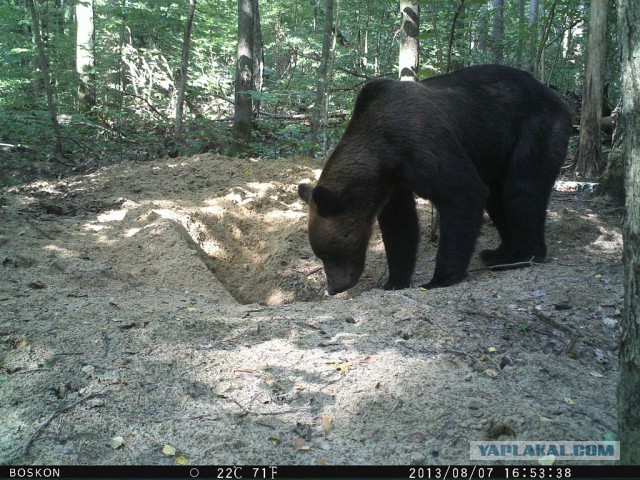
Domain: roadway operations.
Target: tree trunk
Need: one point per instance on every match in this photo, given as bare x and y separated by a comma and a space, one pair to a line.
534, 7
452, 35
318, 106
409, 29
244, 70
258, 61
629, 386
120, 74
539, 67
589, 152
498, 30
85, 55
47, 79
184, 69
521, 30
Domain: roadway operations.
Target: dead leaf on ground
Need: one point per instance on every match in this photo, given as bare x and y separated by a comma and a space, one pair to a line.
300, 443
327, 422
116, 442
169, 450
245, 376
491, 372
344, 367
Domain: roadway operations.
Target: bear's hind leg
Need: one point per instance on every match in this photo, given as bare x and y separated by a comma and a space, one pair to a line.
460, 222
496, 211
398, 222
526, 190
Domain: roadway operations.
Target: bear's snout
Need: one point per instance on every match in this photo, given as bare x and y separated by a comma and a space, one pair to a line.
341, 278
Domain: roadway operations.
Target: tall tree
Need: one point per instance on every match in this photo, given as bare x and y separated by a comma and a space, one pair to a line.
544, 35
452, 34
409, 29
629, 386
48, 87
498, 30
317, 111
534, 7
258, 60
589, 152
85, 55
244, 70
521, 30
186, 46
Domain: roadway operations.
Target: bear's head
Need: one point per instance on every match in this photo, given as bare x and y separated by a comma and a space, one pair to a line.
338, 236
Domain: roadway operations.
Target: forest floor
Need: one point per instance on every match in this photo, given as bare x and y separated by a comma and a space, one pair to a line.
172, 312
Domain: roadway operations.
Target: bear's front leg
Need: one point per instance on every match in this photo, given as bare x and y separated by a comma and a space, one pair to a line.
398, 222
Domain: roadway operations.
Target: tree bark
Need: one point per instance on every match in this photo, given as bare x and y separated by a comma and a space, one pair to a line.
318, 106
589, 152
534, 7
544, 36
184, 67
85, 55
452, 34
47, 78
498, 30
521, 29
629, 386
244, 70
409, 29
258, 61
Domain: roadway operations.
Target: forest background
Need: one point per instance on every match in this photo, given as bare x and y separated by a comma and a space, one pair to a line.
120, 71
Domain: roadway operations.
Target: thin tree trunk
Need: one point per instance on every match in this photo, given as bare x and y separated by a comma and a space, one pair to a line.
629, 386
452, 33
498, 30
120, 76
409, 29
85, 55
534, 6
184, 67
521, 29
316, 112
589, 152
244, 70
258, 61
47, 79
329, 82
543, 41
436, 34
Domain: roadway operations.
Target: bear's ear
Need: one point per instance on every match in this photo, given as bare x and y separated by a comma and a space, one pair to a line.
304, 191
328, 202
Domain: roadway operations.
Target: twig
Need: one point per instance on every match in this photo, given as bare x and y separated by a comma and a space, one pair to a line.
39, 230
460, 352
60, 409
315, 270
550, 321
23, 372
246, 411
558, 326
506, 266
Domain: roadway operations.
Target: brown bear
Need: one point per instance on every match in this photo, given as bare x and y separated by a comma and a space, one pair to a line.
485, 137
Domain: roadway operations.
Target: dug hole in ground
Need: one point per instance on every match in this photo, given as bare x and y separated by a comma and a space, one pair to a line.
173, 312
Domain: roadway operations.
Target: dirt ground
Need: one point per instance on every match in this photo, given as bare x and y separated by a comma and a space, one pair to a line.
172, 312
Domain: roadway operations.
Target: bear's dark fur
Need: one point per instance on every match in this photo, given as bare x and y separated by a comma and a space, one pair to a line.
485, 137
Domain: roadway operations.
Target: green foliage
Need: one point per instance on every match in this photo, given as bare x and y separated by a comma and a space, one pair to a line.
137, 61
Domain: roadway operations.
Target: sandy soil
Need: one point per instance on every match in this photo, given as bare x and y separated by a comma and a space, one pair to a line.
177, 303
